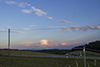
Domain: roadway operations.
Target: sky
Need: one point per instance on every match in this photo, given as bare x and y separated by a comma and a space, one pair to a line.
49, 24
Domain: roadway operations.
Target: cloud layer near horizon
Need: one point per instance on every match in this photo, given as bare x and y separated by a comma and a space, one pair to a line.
12, 31
77, 28
44, 44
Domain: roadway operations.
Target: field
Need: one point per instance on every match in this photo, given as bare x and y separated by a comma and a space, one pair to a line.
88, 53
8, 61
22, 52
14, 61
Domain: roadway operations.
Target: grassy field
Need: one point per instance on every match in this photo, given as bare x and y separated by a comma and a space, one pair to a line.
11, 61
88, 53
21, 52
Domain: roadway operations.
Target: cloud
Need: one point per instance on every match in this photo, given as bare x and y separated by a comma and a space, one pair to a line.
26, 11
23, 4
27, 29
38, 12
3, 30
37, 45
35, 11
83, 28
63, 43
24, 43
17, 32
44, 42
11, 2
64, 21
12, 31
77, 28
32, 25
55, 44
70, 43
50, 18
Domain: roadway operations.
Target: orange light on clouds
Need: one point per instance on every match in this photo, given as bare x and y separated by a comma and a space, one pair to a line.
44, 42
24, 43
55, 44
63, 43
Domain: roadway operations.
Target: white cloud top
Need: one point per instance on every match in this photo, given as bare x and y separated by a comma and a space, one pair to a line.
38, 12
26, 11
44, 42
23, 4
35, 11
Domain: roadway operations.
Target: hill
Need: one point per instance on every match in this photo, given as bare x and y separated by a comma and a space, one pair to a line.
92, 46
55, 51
88, 53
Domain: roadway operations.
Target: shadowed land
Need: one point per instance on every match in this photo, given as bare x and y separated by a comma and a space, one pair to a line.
8, 61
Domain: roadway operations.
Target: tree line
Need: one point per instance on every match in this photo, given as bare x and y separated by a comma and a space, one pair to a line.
92, 46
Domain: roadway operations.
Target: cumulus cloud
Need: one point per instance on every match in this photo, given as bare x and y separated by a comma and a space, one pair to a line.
50, 18
77, 28
35, 11
26, 11
24, 4
44, 42
38, 11
63, 43
63, 21
11, 2
30, 44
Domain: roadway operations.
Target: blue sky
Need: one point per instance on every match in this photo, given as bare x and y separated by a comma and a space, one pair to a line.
49, 24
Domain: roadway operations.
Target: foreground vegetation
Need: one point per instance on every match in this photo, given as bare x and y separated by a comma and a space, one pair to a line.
12, 61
